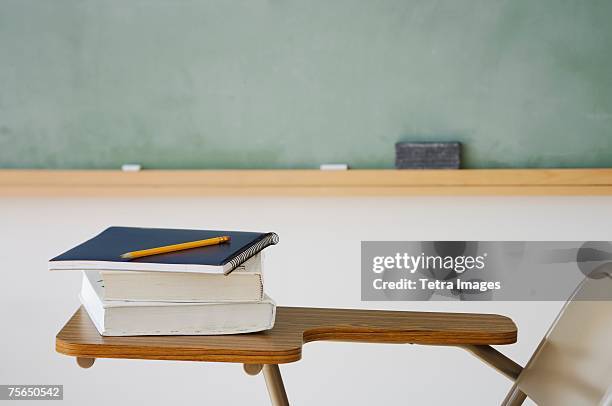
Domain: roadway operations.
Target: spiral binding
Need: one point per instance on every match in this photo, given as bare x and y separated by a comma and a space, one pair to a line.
269, 239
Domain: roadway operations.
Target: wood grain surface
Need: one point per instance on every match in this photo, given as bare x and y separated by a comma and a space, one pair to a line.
294, 327
303, 182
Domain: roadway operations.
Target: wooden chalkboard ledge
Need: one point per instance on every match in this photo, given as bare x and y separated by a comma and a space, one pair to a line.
280, 182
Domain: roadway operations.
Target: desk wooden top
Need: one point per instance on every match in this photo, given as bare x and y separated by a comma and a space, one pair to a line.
294, 326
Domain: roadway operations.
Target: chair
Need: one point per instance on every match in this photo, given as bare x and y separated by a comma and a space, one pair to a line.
573, 364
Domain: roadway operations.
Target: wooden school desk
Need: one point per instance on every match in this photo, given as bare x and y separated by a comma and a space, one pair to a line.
295, 326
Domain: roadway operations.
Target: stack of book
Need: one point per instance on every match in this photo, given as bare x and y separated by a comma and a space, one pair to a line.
215, 289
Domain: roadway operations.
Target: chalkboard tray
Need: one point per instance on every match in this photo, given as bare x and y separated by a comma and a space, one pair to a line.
280, 182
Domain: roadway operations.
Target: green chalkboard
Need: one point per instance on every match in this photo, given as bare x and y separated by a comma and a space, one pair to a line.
293, 83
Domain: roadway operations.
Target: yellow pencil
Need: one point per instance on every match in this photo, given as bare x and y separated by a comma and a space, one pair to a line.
175, 247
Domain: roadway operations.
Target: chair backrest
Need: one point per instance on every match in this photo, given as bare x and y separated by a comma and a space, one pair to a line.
573, 363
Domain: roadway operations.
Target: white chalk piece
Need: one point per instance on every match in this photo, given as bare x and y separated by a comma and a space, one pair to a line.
334, 167
131, 167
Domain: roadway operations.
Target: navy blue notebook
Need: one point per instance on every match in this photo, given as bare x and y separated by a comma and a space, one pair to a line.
103, 252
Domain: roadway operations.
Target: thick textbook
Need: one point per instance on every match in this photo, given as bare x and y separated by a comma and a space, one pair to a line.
123, 318
103, 252
245, 283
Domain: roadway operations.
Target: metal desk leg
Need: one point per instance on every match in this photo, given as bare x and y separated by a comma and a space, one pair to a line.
274, 382
515, 397
496, 359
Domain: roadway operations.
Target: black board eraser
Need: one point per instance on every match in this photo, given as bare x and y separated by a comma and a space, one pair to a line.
428, 155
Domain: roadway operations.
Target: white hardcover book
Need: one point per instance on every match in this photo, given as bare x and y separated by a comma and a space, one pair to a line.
245, 283
124, 318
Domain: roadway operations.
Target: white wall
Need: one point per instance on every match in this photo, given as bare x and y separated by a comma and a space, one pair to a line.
35, 303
